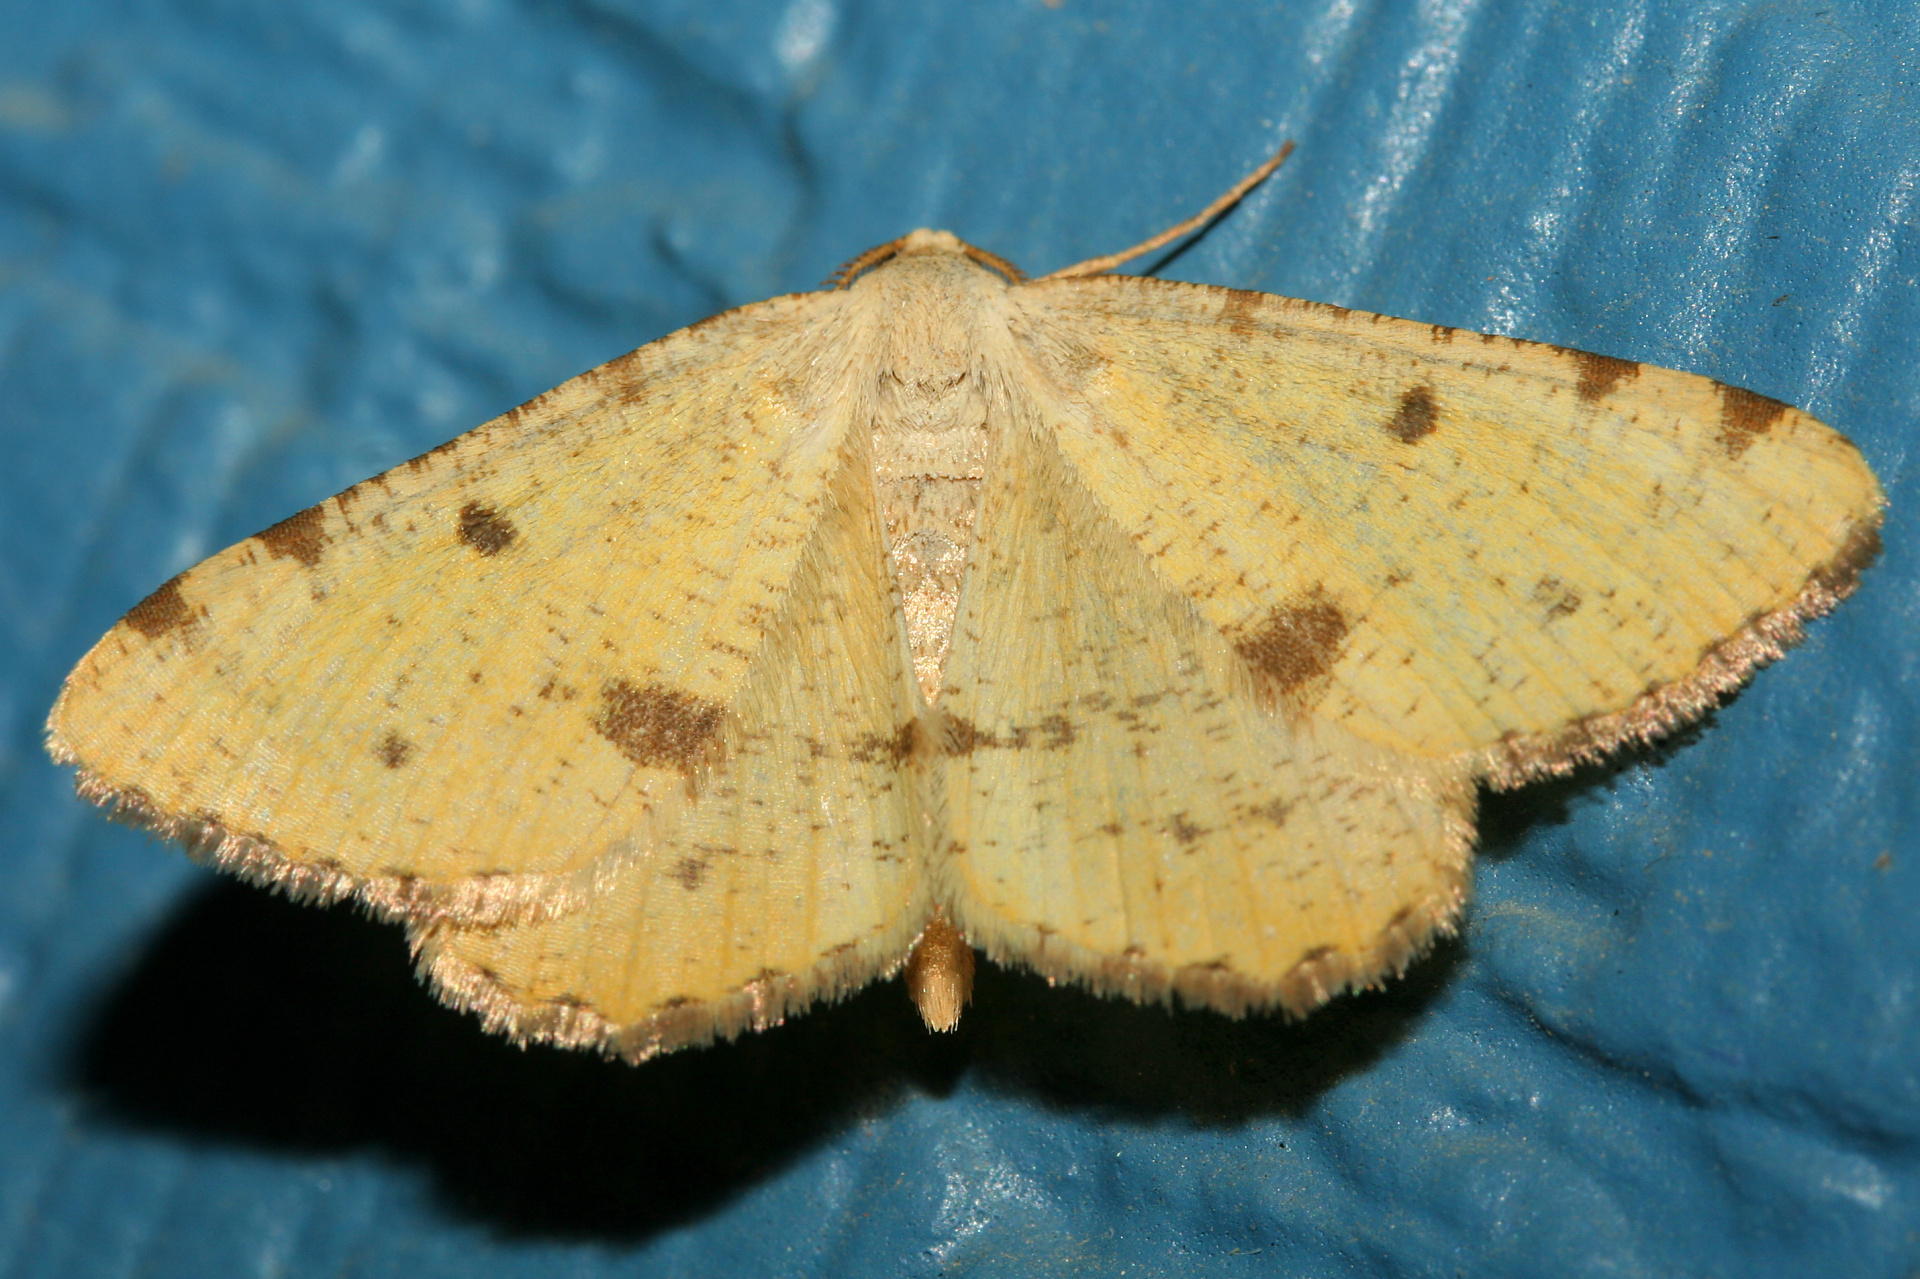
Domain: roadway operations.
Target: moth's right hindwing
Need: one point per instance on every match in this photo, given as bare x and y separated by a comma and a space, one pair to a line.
797, 873
1122, 817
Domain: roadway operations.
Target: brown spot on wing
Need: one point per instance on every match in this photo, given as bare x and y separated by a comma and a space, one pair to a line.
1296, 644
960, 736
1238, 310
1745, 416
1060, 732
1274, 811
485, 529
893, 749
1416, 416
1556, 597
623, 378
1184, 830
161, 611
1599, 374
688, 872
393, 749
298, 537
551, 689
656, 726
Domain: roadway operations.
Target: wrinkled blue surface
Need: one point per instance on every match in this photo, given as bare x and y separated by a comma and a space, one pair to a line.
253, 252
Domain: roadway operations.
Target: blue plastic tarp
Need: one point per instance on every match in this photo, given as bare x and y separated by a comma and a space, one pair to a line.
253, 253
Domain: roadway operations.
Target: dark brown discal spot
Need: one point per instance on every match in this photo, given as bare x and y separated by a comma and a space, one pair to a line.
1240, 308
1556, 597
485, 529
298, 537
1744, 417
1416, 417
1599, 374
161, 611
656, 726
688, 872
894, 749
393, 749
1183, 830
1297, 643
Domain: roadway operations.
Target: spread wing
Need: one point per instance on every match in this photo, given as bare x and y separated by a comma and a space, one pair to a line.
535, 656
1261, 587
1122, 815
1453, 545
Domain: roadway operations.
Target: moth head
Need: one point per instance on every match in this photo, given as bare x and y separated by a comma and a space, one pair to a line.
921, 243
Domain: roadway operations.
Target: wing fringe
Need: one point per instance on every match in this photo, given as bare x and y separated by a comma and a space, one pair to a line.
1318, 977
761, 1004
1660, 710
475, 900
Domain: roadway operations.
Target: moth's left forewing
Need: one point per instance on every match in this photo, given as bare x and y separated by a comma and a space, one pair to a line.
1456, 546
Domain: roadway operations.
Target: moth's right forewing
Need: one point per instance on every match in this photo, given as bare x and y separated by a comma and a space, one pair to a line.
458, 684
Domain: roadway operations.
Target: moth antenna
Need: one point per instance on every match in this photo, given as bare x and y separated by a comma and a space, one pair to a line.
994, 262
1100, 266
879, 253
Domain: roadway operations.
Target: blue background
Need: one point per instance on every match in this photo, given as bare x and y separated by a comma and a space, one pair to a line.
253, 252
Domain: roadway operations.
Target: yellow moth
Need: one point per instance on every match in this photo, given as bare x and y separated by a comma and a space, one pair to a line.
1149, 635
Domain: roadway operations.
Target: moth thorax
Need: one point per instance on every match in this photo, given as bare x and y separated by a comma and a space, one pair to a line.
929, 460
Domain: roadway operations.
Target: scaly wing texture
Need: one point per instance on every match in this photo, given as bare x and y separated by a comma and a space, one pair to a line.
456, 687
797, 873
1120, 816
1453, 545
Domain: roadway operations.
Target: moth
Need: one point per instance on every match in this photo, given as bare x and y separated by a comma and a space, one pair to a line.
1152, 636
